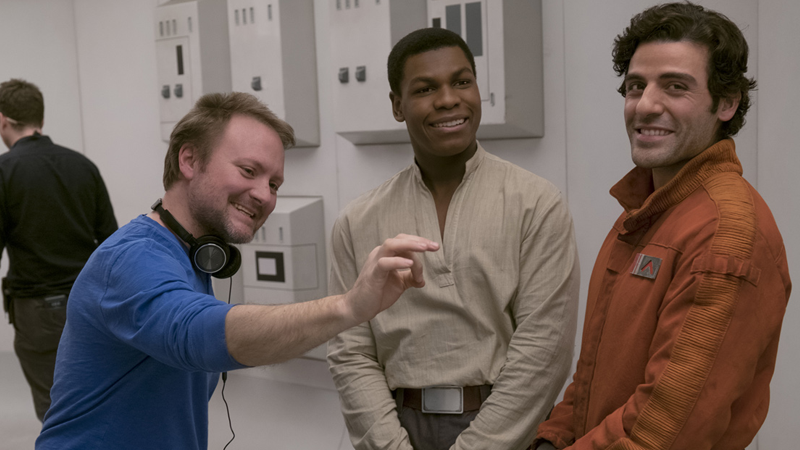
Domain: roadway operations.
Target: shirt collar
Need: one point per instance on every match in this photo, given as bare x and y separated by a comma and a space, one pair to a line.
471, 166
24, 141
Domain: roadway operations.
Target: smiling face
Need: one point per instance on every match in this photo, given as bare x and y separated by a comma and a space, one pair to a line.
668, 107
235, 191
439, 102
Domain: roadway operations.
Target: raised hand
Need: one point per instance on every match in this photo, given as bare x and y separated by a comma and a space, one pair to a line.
389, 270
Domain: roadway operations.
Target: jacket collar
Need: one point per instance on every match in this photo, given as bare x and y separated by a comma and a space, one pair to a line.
643, 204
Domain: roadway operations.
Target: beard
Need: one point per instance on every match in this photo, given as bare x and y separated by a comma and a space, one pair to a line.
216, 221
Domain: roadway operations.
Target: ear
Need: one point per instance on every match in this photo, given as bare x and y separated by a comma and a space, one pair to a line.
727, 107
397, 106
188, 162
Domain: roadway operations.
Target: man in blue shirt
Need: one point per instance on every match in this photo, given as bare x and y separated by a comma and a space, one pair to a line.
146, 339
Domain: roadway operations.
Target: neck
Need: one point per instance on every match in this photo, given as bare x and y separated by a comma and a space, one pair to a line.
662, 175
177, 205
443, 171
15, 136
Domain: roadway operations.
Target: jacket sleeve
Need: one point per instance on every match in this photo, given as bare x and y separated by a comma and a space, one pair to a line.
539, 355
367, 404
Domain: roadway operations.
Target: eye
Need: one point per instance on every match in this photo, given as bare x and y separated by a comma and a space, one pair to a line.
634, 87
274, 187
248, 171
424, 90
462, 83
676, 87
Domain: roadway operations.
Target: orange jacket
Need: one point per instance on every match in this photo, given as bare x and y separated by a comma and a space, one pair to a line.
684, 359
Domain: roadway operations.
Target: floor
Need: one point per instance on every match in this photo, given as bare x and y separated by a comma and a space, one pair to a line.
265, 414
18, 423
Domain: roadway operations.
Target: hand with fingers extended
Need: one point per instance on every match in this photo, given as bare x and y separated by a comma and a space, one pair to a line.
389, 270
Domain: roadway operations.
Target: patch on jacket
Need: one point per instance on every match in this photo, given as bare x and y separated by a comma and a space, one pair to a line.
646, 266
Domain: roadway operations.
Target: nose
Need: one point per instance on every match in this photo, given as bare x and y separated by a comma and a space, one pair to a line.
262, 194
447, 98
650, 102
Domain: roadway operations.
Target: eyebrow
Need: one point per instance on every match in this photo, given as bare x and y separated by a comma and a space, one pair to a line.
426, 79
664, 76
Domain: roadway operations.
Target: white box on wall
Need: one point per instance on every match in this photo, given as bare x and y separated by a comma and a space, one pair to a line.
285, 262
505, 37
192, 56
273, 56
363, 33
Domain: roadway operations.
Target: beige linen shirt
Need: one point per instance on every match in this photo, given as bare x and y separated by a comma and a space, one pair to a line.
499, 305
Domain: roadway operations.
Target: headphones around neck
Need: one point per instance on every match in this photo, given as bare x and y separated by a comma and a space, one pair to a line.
208, 253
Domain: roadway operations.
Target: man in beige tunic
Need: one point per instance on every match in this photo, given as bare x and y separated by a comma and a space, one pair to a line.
476, 358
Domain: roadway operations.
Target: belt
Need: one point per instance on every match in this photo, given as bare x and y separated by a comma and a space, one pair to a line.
470, 398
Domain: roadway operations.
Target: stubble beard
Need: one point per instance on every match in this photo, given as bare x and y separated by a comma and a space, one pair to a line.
217, 222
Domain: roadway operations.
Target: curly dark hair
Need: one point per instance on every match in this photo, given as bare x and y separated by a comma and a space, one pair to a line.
727, 48
22, 102
421, 41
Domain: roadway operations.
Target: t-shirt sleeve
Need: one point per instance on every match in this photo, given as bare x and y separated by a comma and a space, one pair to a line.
150, 304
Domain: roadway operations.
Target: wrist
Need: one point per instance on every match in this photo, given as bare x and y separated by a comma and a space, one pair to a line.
343, 310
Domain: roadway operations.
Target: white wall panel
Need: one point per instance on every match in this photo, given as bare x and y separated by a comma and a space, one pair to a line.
778, 164
117, 61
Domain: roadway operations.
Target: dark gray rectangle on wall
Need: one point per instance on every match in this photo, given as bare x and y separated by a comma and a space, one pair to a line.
472, 11
452, 14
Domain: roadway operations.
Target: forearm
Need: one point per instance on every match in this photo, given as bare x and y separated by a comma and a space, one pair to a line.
269, 334
558, 429
523, 394
367, 404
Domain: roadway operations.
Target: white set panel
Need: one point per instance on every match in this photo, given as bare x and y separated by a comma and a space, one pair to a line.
273, 56
192, 56
363, 33
505, 37
285, 262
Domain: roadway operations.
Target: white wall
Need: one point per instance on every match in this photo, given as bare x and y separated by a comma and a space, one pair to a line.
584, 150
778, 164
116, 57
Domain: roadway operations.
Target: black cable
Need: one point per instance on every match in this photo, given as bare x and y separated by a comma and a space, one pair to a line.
225, 379
230, 424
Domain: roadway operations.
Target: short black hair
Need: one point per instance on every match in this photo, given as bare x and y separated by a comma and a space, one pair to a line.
727, 51
421, 41
22, 102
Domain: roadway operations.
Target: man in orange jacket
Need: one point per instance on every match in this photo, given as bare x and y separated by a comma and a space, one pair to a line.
689, 290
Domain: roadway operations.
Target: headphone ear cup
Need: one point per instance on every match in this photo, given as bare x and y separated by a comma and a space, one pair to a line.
232, 266
210, 254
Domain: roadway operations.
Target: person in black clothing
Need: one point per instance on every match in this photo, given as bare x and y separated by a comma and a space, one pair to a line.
54, 211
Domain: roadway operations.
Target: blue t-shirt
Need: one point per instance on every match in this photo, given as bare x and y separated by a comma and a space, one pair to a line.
141, 351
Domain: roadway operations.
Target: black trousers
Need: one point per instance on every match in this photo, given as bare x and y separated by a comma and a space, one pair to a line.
434, 431
38, 323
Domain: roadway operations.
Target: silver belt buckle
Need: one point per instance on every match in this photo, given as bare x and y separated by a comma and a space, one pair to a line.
443, 400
